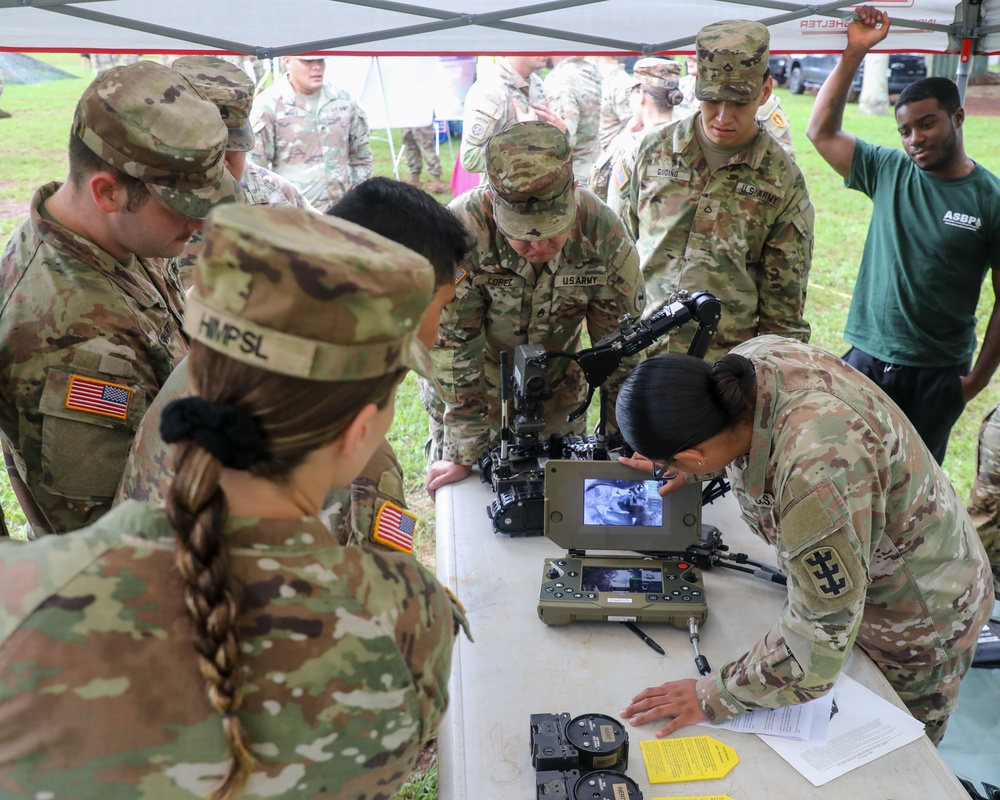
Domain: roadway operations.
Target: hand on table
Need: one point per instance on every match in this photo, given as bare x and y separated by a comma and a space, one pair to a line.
676, 699
444, 472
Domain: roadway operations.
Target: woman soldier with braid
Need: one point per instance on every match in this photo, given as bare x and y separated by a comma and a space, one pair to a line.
226, 645
876, 545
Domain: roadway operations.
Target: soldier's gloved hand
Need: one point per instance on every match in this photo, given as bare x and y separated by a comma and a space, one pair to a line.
445, 472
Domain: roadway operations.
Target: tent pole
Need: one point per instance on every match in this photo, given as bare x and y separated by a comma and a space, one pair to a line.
964, 69
388, 119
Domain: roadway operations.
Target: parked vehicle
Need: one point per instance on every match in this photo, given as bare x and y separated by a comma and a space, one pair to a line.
810, 71
779, 69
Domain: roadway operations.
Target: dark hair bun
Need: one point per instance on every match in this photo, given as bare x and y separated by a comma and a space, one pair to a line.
733, 379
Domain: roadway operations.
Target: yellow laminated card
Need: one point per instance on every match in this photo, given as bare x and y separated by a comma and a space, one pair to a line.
691, 758
699, 797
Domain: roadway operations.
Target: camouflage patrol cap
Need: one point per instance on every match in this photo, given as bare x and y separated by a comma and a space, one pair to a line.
530, 174
662, 72
732, 60
145, 120
311, 296
229, 88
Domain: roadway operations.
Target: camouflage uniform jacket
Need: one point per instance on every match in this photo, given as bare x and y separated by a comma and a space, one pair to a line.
776, 123
349, 513
501, 301
573, 90
769, 115
616, 86
984, 501
73, 321
261, 187
743, 232
874, 540
495, 102
623, 146
348, 654
324, 153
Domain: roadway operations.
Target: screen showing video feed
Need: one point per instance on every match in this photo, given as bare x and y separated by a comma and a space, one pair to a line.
622, 502
622, 579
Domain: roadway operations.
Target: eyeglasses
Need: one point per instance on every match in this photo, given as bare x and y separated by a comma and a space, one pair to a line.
664, 472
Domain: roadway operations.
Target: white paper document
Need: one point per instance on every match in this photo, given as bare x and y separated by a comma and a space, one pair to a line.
864, 727
807, 722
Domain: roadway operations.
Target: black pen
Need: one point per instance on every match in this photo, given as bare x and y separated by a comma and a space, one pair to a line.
638, 632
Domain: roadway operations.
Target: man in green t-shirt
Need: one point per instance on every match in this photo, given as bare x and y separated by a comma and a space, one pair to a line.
912, 322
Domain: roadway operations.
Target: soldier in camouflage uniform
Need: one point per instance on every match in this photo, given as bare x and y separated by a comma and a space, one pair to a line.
419, 145
769, 114
103, 62
509, 92
344, 653
877, 547
548, 257
716, 205
90, 312
230, 88
314, 135
415, 220
573, 89
3, 114
616, 89
983, 506
655, 96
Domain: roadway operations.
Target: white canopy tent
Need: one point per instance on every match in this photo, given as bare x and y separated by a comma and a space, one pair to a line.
472, 27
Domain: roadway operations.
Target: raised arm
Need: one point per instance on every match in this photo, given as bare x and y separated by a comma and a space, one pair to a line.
825, 129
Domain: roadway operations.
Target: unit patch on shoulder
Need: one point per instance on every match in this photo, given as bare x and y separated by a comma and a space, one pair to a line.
98, 397
459, 274
779, 119
394, 527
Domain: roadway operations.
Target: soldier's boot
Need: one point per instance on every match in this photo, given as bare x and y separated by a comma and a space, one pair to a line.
4, 114
415, 180
437, 186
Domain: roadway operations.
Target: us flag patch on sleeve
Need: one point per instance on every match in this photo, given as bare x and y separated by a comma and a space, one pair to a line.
98, 397
621, 175
394, 527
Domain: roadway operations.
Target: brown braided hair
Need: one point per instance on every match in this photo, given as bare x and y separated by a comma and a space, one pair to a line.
295, 416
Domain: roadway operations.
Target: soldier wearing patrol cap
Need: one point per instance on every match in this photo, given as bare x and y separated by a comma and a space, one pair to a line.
716, 205
872, 536
231, 89
770, 114
373, 511
548, 256
90, 313
294, 387
653, 98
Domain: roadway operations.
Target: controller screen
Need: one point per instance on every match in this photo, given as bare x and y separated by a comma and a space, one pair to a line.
622, 502
622, 579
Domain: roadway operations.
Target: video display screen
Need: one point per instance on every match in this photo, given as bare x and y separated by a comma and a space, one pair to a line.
622, 502
622, 579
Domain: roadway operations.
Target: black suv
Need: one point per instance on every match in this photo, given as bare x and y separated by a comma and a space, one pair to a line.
809, 72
